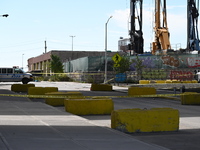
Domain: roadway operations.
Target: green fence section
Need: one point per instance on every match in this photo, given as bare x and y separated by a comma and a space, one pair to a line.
86, 64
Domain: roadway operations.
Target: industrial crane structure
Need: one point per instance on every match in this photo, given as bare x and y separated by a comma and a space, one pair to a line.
136, 34
161, 45
192, 25
162, 41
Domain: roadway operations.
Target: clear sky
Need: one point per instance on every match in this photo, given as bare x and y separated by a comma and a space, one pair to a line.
31, 22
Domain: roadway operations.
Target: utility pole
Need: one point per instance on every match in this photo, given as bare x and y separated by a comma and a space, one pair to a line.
45, 47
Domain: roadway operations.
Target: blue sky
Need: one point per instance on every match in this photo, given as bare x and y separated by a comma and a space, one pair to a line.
31, 22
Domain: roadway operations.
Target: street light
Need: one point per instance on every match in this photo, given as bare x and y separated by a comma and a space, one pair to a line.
72, 40
72, 36
105, 80
22, 61
178, 44
4, 15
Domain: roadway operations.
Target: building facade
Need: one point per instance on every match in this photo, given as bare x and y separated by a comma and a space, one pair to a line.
41, 63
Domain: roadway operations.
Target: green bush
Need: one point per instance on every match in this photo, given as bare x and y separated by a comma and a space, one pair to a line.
132, 81
89, 79
59, 77
64, 78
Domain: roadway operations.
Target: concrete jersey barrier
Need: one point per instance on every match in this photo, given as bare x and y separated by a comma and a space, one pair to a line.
89, 106
41, 90
21, 87
143, 120
60, 101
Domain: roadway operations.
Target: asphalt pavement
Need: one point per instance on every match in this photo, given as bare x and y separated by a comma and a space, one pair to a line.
26, 124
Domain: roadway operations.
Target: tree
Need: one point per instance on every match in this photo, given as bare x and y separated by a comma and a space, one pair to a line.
56, 64
124, 65
137, 65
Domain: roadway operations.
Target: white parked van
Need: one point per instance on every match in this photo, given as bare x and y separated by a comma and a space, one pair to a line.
14, 75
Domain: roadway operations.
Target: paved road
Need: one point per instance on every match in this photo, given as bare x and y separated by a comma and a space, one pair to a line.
186, 138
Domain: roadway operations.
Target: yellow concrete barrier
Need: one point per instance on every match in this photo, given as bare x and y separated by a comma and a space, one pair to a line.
41, 90
168, 81
141, 91
60, 101
194, 81
144, 81
152, 81
142, 120
160, 81
89, 106
21, 87
186, 81
101, 87
190, 98
50, 89
176, 81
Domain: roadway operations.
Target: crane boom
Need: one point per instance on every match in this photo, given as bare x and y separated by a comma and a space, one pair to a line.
162, 41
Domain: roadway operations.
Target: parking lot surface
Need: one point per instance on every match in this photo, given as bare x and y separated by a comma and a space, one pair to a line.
36, 119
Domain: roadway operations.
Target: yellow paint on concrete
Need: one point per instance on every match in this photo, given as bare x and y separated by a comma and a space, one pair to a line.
176, 81
21, 87
143, 120
50, 89
194, 81
165, 81
36, 91
168, 81
141, 91
160, 81
41, 90
144, 81
97, 97
101, 87
186, 81
89, 106
152, 81
60, 101
190, 98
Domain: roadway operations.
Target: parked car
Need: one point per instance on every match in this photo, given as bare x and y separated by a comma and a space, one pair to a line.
14, 75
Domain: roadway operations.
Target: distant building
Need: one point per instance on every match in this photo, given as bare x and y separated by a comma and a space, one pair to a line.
40, 64
87, 64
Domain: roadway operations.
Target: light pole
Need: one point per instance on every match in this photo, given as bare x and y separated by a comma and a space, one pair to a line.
178, 44
22, 61
72, 41
105, 79
72, 36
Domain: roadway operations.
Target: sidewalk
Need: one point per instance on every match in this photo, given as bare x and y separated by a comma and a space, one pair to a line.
26, 125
